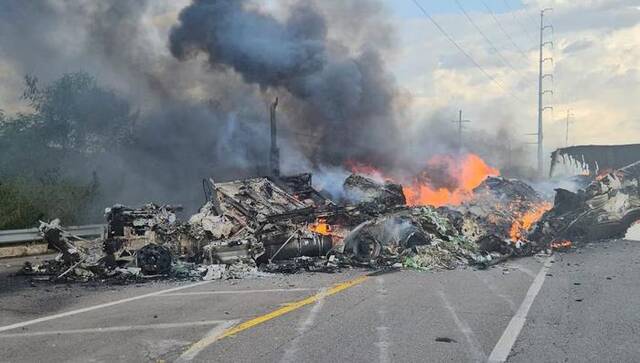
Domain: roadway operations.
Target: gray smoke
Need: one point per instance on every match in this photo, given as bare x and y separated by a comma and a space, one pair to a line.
192, 123
256, 45
345, 99
201, 75
198, 119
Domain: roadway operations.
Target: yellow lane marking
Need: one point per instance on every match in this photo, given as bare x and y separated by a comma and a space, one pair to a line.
289, 307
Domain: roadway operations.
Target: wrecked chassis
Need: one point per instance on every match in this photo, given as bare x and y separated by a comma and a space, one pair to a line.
285, 225
605, 209
247, 222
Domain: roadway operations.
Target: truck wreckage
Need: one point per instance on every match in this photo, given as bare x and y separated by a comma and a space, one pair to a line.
285, 225
605, 209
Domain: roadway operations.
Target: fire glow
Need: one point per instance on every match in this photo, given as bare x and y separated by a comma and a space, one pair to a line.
467, 173
522, 224
460, 175
321, 227
561, 245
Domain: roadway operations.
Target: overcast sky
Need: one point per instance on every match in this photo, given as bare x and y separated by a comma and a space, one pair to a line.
596, 69
597, 65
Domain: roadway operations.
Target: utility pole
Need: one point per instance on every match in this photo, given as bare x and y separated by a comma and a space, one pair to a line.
274, 155
460, 123
566, 136
542, 91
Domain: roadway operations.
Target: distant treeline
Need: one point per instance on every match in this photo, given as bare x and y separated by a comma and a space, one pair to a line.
47, 156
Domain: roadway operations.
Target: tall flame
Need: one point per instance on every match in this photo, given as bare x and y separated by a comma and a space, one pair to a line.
468, 173
458, 175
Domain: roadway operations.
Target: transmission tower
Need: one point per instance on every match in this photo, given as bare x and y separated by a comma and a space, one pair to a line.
568, 122
541, 90
460, 123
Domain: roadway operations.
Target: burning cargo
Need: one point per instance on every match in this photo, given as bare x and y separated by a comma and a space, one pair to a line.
283, 224
605, 209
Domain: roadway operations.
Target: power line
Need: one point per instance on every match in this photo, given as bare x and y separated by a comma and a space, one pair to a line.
532, 18
493, 15
486, 38
441, 29
513, 14
529, 16
525, 15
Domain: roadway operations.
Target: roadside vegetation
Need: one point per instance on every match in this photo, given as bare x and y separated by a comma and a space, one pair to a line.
47, 156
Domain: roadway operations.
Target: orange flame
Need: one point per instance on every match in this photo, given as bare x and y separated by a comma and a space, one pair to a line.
468, 173
463, 175
321, 227
603, 173
561, 245
522, 224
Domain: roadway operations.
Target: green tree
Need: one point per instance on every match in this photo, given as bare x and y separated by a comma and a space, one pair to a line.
74, 113
48, 157
25, 201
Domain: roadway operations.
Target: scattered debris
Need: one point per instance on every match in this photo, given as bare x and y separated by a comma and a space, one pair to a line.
283, 225
605, 209
505, 208
561, 245
154, 259
445, 340
595, 159
365, 190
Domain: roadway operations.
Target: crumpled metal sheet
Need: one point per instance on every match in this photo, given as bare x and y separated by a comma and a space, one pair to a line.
206, 223
603, 210
361, 189
595, 158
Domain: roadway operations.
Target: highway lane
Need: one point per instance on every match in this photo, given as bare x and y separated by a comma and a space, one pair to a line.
399, 316
356, 322
588, 310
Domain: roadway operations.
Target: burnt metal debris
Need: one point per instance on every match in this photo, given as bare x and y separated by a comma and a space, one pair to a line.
283, 224
595, 159
606, 208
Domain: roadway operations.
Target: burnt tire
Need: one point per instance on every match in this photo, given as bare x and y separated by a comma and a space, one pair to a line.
154, 259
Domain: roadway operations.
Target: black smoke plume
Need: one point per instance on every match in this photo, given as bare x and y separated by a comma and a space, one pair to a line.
343, 98
197, 119
199, 76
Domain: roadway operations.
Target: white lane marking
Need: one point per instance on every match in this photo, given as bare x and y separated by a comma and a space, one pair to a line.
383, 344
383, 331
290, 353
213, 292
494, 289
476, 351
96, 307
155, 349
633, 233
217, 331
114, 329
502, 349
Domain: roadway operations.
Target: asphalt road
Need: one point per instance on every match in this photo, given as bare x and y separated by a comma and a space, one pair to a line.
583, 306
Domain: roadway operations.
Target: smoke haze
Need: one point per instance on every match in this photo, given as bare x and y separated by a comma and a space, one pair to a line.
200, 75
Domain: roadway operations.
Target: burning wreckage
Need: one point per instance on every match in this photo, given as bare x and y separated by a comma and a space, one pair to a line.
605, 209
285, 225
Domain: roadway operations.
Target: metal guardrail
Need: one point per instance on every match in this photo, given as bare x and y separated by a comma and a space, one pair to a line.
15, 236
